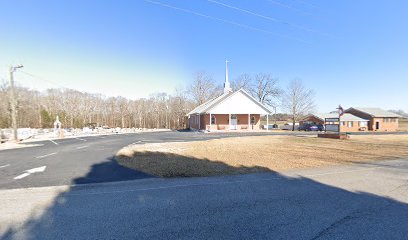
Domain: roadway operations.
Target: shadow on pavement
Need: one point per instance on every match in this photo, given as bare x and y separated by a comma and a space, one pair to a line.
255, 206
161, 164
110, 171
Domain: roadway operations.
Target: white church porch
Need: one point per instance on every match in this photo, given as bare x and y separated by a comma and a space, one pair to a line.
225, 122
230, 111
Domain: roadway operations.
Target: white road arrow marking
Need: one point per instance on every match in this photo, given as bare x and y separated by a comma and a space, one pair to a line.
21, 176
35, 170
31, 171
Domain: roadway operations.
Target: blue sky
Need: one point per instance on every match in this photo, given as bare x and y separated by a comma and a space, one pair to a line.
350, 52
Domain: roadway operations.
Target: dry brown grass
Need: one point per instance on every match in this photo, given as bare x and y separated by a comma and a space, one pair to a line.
261, 153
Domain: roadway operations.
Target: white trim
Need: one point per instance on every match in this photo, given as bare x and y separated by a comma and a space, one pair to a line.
209, 105
210, 121
245, 93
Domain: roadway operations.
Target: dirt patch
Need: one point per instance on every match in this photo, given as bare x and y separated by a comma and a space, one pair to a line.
255, 154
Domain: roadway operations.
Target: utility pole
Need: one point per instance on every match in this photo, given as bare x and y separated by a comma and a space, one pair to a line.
13, 102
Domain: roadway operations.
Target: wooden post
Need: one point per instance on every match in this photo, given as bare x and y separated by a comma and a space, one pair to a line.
199, 121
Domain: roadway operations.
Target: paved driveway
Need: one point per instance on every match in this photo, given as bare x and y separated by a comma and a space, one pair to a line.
84, 159
367, 201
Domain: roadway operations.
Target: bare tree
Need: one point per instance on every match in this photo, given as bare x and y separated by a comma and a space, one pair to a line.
4, 105
79, 109
203, 88
244, 81
298, 100
265, 88
179, 107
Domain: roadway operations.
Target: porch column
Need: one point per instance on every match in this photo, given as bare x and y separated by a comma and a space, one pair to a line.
199, 121
249, 121
210, 121
267, 122
229, 122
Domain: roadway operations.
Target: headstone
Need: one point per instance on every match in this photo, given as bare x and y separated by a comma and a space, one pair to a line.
58, 128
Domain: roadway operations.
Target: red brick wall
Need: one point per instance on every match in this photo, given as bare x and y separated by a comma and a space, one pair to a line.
355, 128
384, 126
222, 122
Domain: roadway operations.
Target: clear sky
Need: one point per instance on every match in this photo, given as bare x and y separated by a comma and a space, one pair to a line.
350, 52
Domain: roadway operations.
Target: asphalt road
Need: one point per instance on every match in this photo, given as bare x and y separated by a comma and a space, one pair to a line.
84, 159
367, 201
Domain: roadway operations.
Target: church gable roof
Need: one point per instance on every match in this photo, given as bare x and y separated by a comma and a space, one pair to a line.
201, 108
238, 102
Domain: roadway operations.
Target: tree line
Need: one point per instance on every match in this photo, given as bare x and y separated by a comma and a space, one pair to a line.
78, 109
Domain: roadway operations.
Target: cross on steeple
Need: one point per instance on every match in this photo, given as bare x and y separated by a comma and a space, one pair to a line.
227, 87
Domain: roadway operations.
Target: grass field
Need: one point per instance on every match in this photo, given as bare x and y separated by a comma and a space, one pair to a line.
258, 154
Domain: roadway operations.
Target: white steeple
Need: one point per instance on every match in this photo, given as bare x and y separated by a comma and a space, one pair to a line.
227, 87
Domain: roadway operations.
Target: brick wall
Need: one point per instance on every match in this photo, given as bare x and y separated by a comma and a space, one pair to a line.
384, 125
222, 122
345, 127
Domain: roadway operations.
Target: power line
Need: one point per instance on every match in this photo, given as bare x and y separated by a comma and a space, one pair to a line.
43, 79
262, 16
224, 20
307, 3
288, 7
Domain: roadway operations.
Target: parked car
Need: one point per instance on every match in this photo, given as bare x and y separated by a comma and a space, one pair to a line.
270, 126
311, 127
321, 127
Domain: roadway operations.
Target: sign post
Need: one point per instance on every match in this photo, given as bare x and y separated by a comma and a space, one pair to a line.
333, 125
341, 113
